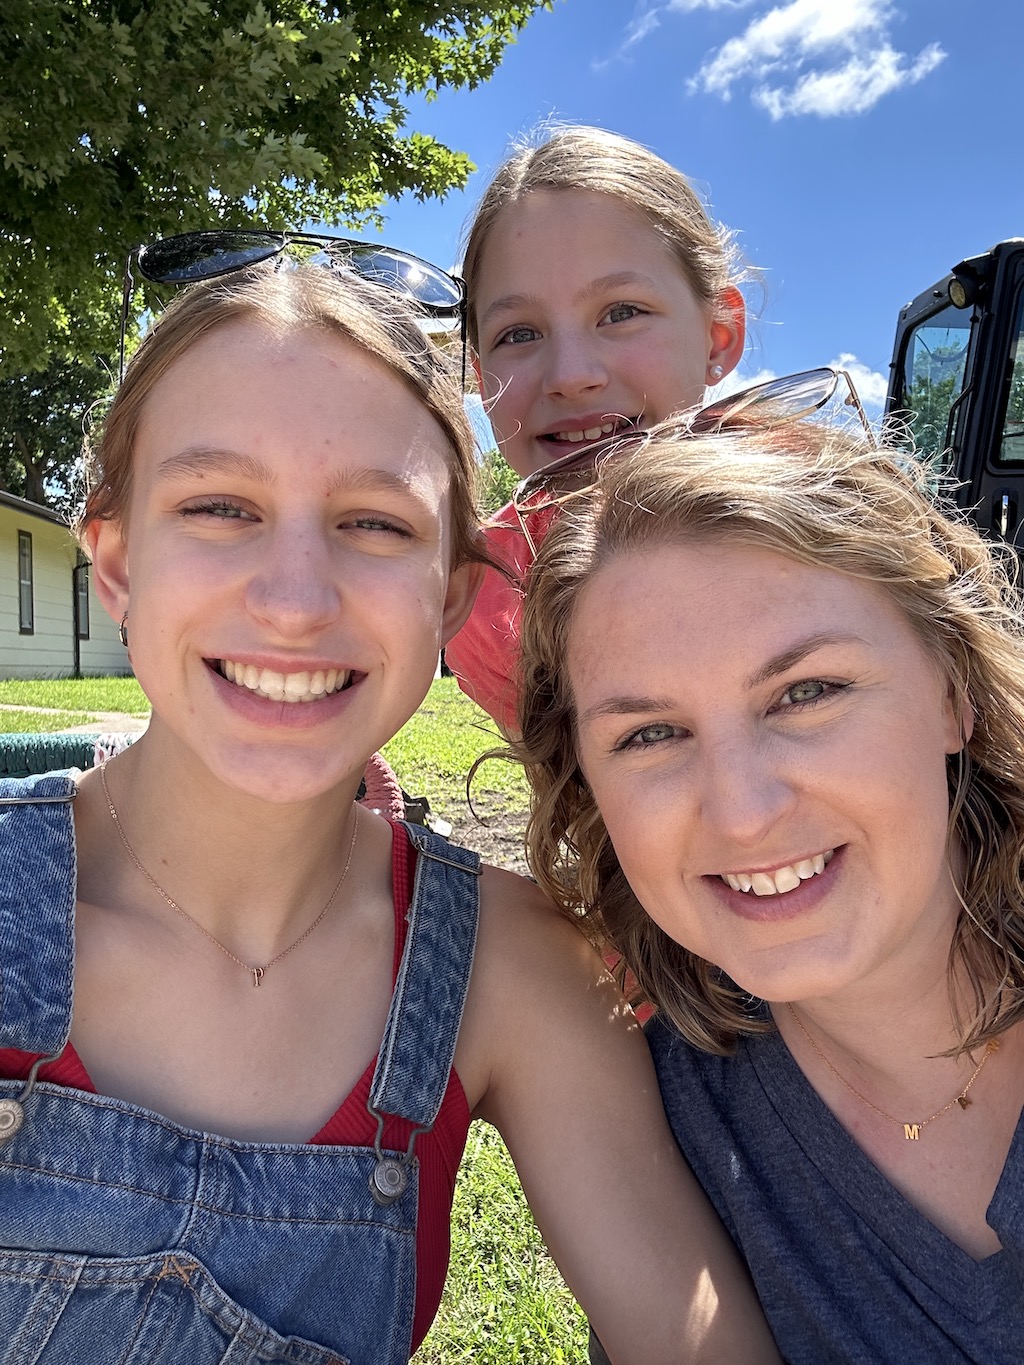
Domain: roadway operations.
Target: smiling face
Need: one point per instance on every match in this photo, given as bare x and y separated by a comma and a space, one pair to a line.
285, 561
588, 324
767, 744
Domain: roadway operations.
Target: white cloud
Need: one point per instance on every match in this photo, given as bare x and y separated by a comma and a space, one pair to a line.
638, 30
645, 22
849, 89
870, 385
734, 381
648, 18
776, 49
686, 6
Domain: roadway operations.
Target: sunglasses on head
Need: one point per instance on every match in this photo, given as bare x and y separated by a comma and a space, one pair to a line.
192, 256
786, 399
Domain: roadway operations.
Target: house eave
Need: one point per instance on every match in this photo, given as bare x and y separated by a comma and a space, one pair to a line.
32, 509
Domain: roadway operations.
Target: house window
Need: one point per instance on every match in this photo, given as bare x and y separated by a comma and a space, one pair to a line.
82, 600
26, 606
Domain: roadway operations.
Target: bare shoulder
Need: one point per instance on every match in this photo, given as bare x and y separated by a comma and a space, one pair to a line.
537, 985
520, 925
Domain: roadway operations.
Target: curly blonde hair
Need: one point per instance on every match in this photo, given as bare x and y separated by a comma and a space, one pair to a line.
822, 497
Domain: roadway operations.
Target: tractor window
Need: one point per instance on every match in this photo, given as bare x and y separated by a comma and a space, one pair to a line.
1011, 447
933, 374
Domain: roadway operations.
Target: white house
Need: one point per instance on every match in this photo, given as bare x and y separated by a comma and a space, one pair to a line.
51, 624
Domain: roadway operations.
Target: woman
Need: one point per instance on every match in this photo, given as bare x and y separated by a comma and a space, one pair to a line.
600, 298
244, 1023
774, 716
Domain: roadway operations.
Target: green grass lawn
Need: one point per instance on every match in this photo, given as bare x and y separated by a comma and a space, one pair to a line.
77, 694
504, 1301
32, 723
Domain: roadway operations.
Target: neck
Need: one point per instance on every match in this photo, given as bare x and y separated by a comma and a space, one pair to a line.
883, 1066
252, 873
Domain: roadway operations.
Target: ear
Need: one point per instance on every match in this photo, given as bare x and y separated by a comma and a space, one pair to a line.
474, 360
728, 332
959, 721
463, 586
109, 554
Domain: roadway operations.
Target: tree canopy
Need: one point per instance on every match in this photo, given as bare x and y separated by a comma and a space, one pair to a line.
126, 120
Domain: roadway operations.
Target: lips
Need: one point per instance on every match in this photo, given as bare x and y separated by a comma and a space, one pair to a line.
782, 879
307, 685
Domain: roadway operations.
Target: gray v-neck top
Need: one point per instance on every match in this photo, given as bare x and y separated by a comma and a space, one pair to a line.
848, 1271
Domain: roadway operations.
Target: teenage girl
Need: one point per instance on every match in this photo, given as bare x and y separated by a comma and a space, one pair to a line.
774, 716
244, 1023
601, 298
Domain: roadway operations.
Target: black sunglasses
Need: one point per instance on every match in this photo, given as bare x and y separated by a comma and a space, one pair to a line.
786, 399
192, 256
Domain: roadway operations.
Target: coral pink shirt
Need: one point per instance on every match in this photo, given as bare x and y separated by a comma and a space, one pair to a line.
484, 655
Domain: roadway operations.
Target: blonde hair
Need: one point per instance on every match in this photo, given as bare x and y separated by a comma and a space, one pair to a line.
306, 298
577, 157
822, 498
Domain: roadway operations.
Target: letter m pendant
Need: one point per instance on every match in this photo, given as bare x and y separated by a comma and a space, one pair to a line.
912, 1131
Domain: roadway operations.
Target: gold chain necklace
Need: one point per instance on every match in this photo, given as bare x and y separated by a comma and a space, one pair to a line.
911, 1131
258, 973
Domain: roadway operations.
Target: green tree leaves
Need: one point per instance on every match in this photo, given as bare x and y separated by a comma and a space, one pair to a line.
124, 120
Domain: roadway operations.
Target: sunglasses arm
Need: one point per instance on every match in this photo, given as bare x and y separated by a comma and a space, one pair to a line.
127, 294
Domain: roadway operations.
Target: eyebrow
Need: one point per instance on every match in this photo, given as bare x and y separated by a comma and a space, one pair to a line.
779, 663
199, 461
789, 658
513, 303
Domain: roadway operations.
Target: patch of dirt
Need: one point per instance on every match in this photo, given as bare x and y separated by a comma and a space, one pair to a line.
495, 831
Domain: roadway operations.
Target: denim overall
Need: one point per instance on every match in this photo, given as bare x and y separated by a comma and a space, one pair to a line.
127, 1239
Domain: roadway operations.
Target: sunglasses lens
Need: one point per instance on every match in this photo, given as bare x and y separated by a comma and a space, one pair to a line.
572, 474
791, 397
204, 255
406, 275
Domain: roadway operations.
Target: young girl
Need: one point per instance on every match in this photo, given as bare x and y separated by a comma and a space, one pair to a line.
600, 299
773, 707
244, 1022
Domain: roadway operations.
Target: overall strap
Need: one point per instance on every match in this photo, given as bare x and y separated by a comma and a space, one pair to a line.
423, 1022
37, 912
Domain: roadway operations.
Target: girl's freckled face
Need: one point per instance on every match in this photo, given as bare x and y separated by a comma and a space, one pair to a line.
289, 512
741, 713
585, 317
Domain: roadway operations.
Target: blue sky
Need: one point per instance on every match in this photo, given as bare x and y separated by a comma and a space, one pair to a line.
858, 148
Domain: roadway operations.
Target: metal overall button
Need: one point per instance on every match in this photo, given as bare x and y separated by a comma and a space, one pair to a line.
12, 1116
388, 1180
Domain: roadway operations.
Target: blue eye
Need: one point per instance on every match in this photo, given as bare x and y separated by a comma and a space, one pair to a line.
623, 312
225, 511
809, 691
517, 336
378, 524
649, 735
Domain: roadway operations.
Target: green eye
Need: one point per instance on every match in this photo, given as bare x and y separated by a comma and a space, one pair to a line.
804, 691
648, 735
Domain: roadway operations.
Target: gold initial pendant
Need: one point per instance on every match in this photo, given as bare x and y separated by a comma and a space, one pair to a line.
257, 975
912, 1131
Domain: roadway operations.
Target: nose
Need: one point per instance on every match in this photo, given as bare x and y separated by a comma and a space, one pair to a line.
293, 589
574, 366
745, 789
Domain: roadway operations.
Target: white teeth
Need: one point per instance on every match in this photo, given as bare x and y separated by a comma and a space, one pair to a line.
786, 879
590, 434
780, 881
286, 687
